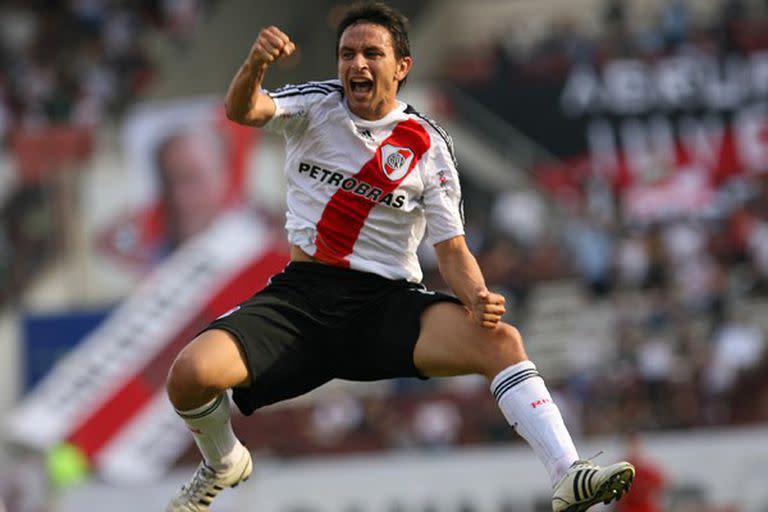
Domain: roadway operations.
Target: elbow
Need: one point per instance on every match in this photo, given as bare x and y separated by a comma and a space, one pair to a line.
248, 117
232, 113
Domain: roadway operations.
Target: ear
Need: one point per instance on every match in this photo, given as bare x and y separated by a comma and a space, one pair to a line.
404, 66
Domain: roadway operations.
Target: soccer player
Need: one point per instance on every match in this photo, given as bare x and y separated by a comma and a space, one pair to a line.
367, 175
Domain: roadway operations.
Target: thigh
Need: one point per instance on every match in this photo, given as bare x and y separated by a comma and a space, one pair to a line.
379, 342
450, 343
278, 342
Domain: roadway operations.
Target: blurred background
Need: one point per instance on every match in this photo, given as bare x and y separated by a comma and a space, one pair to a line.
614, 158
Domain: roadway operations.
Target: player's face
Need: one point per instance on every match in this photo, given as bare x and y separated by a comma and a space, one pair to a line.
369, 70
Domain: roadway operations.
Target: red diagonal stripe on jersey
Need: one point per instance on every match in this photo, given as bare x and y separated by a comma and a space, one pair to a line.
346, 212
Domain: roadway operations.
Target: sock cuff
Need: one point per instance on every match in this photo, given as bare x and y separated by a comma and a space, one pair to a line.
511, 376
203, 410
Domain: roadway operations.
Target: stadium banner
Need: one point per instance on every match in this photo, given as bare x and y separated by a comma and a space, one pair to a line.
187, 164
48, 336
665, 133
107, 396
198, 247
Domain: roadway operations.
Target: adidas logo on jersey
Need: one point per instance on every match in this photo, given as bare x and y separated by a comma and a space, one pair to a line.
365, 133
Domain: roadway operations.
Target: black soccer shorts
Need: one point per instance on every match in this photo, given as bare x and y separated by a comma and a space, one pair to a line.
314, 322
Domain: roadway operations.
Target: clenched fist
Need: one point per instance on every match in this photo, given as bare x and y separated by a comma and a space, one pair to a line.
271, 44
487, 308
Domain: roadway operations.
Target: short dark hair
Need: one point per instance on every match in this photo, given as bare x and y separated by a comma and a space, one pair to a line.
378, 14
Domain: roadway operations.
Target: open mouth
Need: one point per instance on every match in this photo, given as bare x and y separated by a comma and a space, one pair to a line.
361, 85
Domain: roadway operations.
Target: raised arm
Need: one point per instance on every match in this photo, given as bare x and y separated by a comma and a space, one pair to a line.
461, 272
245, 103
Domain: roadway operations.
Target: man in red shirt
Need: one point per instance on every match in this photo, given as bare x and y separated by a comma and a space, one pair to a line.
649, 486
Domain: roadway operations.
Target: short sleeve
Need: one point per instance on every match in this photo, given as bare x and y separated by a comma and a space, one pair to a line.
442, 193
293, 106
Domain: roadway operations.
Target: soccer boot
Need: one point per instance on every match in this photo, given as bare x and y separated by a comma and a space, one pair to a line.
585, 484
197, 494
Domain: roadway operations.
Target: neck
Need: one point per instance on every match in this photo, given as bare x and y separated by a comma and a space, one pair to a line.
378, 111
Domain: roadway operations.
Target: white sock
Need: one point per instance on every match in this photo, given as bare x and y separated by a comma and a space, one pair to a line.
212, 429
528, 407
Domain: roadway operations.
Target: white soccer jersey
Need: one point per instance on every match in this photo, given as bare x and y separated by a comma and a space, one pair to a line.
361, 193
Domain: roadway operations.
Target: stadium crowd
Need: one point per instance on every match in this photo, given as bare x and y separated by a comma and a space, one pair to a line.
687, 347
79, 61
66, 69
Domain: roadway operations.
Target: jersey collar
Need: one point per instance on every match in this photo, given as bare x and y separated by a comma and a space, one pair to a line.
393, 115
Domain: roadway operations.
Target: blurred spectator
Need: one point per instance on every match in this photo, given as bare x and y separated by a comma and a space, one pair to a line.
181, 18
683, 241
386, 423
757, 250
25, 486
632, 261
336, 416
27, 237
437, 424
737, 346
576, 46
505, 268
657, 276
520, 215
650, 483
675, 23
614, 17
590, 247
733, 13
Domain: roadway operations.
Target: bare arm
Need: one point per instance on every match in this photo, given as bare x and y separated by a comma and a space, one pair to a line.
245, 103
461, 272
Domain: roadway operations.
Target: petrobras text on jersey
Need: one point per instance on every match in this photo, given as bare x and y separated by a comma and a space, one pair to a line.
352, 185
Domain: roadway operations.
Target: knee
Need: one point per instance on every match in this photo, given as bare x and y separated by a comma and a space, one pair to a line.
189, 375
506, 346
